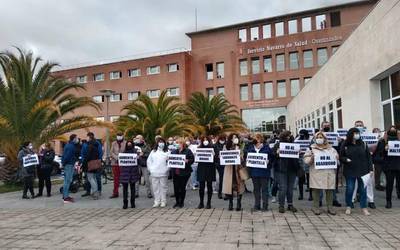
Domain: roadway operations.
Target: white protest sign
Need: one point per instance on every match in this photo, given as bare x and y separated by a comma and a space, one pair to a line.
371, 139
332, 138
394, 148
304, 144
30, 160
204, 155
289, 150
311, 131
342, 132
229, 157
127, 159
324, 160
176, 161
257, 160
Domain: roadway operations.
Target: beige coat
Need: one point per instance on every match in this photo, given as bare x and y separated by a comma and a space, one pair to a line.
115, 150
228, 179
320, 178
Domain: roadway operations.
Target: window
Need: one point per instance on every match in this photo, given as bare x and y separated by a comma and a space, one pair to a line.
292, 26
334, 48
209, 71
115, 75
98, 77
210, 92
254, 33
153, 70
255, 65
81, 79
244, 92
220, 90
294, 60
100, 119
395, 83
267, 31
339, 112
306, 24
243, 67
282, 88
134, 72
242, 35
320, 22
173, 67
322, 55
256, 91
98, 98
267, 64
114, 118
115, 97
265, 119
220, 70
335, 19
280, 62
173, 92
154, 93
133, 95
308, 59
306, 80
269, 91
279, 29
294, 87
385, 89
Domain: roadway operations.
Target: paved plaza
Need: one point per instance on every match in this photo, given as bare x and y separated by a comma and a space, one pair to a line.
46, 223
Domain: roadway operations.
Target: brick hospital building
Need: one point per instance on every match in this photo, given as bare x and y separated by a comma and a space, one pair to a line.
258, 65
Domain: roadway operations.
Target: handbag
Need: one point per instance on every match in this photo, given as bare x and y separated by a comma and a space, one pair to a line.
244, 173
94, 165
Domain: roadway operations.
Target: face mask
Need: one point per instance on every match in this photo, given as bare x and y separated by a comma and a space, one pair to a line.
136, 141
205, 143
161, 145
235, 141
327, 129
30, 146
120, 137
221, 141
319, 141
361, 129
187, 143
392, 133
356, 136
213, 141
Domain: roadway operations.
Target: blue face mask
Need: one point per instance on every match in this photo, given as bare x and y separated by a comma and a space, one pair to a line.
161, 145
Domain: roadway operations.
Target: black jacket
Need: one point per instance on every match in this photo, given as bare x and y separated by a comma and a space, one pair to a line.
188, 166
48, 159
361, 160
284, 165
381, 157
218, 147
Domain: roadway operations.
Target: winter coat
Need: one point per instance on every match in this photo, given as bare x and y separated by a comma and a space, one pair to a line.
26, 171
261, 172
206, 171
321, 178
129, 174
69, 155
218, 147
188, 166
361, 161
142, 160
284, 165
116, 148
92, 153
232, 183
47, 161
157, 163
382, 158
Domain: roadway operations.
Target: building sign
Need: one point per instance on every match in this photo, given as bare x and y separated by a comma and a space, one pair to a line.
294, 44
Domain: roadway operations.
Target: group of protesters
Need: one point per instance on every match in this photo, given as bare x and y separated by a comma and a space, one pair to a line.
361, 164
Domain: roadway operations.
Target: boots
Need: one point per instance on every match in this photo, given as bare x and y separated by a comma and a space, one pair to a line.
265, 206
125, 204
239, 203
209, 193
230, 208
133, 205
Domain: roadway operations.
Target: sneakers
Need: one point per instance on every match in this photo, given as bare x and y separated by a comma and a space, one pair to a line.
348, 211
273, 200
68, 200
163, 204
156, 204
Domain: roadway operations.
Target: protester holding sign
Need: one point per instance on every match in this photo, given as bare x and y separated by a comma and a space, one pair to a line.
129, 173
286, 170
27, 170
181, 176
206, 174
45, 169
389, 161
233, 183
305, 142
260, 175
118, 146
158, 168
218, 147
322, 159
356, 158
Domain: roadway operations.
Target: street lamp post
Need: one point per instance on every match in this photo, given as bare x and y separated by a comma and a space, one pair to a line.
107, 93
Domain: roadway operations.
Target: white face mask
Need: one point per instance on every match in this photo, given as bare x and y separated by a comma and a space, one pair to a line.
319, 141
205, 143
161, 145
235, 141
136, 141
188, 143
30, 146
356, 136
221, 141
120, 137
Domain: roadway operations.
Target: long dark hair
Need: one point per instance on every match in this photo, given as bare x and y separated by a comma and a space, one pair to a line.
350, 136
229, 143
202, 138
160, 139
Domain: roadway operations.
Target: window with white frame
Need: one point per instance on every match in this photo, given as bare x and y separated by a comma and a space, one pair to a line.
81, 79
267, 31
153, 70
243, 67
244, 92
153, 93
98, 98
280, 62
255, 65
292, 26
294, 60
320, 22
243, 35
308, 61
269, 90
115, 97
254, 33
279, 30
220, 70
134, 95
281, 88
256, 91
306, 24
134, 72
98, 77
173, 92
173, 67
115, 75
221, 90
390, 99
267, 64
322, 55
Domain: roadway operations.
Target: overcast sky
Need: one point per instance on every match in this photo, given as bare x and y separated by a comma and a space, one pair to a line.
80, 31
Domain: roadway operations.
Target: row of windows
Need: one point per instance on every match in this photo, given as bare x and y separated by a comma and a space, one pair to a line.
293, 26
152, 93
280, 63
135, 72
270, 91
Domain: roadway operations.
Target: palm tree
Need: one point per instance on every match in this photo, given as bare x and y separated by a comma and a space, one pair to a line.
148, 118
35, 106
213, 116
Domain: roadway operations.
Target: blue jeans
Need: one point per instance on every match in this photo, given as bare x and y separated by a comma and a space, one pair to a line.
68, 174
350, 183
286, 185
193, 176
92, 178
